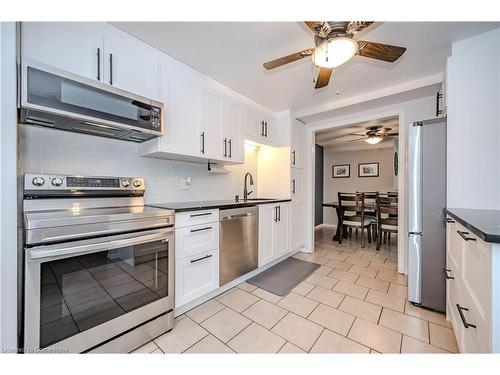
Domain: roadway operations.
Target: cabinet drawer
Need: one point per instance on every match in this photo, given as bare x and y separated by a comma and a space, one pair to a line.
195, 239
185, 219
474, 339
196, 276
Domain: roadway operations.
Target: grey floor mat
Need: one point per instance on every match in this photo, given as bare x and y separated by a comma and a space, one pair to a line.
284, 276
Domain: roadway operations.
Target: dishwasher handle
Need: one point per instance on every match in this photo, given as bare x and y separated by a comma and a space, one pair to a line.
236, 216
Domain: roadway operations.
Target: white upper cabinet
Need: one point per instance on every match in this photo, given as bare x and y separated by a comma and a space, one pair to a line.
296, 147
96, 50
185, 134
76, 47
131, 65
260, 126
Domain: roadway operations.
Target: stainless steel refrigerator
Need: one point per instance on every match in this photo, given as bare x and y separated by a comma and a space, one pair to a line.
427, 199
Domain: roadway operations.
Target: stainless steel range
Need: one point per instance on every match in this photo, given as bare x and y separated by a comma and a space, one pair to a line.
99, 265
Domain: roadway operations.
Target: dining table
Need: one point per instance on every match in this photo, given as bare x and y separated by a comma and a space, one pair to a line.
368, 207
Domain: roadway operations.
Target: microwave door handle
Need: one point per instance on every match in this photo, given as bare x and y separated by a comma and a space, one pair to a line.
48, 252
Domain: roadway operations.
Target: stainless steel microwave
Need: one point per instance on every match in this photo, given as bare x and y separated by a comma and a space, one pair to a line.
57, 99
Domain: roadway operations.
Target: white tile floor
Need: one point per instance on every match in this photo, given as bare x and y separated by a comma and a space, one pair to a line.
355, 303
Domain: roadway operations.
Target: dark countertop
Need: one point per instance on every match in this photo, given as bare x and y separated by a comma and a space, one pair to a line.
221, 204
483, 223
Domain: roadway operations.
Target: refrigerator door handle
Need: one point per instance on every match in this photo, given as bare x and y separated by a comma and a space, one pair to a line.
414, 233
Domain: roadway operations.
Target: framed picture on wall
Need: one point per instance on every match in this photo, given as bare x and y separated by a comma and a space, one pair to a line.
368, 169
341, 171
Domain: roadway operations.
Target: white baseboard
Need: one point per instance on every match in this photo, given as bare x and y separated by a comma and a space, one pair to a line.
326, 225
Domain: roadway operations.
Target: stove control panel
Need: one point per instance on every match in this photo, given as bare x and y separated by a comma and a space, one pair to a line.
39, 182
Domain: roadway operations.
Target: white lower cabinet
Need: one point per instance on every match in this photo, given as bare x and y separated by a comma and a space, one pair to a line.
274, 231
470, 291
195, 276
196, 255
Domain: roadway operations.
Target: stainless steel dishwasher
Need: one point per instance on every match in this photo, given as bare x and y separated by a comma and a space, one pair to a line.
238, 253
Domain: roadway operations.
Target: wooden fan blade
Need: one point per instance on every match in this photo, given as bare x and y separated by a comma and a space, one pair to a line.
384, 130
288, 59
320, 28
379, 51
313, 25
392, 135
356, 140
356, 26
323, 77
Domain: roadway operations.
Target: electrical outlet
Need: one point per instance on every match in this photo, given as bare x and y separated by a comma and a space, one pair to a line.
186, 183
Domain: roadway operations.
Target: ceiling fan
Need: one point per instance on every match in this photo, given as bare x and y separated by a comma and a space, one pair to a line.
374, 134
335, 45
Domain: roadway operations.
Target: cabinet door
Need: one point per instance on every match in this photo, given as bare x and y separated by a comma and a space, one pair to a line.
131, 64
195, 276
235, 125
184, 132
282, 238
76, 47
297, 225
296, 153
213, 123
296, 184
267, 223
253, 127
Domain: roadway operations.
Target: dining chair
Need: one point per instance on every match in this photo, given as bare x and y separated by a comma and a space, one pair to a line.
352, 215
387, 217
370, 200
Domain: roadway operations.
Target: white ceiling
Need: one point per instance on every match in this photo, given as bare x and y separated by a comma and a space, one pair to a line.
341, 139
233, 54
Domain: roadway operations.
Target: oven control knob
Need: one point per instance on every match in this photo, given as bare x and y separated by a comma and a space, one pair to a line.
125, 183
137, 183
57, 181
38, 181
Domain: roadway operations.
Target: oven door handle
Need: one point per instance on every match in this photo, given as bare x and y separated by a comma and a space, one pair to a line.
56, 251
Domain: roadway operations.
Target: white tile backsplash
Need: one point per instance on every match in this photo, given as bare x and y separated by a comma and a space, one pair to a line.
46, 150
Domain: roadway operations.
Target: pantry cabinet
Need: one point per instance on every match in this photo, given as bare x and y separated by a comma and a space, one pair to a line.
297, 208
98, 51
471, 290
274, 231
296, 148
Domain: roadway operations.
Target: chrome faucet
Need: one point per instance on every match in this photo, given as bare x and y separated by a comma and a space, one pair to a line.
246, 193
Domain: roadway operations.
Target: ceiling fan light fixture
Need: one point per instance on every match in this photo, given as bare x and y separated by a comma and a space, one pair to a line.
373, 139
334, 52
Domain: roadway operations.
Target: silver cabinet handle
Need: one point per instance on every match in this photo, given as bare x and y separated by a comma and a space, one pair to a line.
202, 142
98, 64
293, 159
202, 258
230, 149
225, 147
262, 128
111, 69
293, 185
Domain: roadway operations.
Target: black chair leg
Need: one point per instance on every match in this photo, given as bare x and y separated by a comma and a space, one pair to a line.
389, 238
341, 234
356, 232
369, 232
379, 239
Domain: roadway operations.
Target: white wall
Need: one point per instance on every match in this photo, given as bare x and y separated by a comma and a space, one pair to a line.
8, 212
473, 138
332, 186
52, 151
